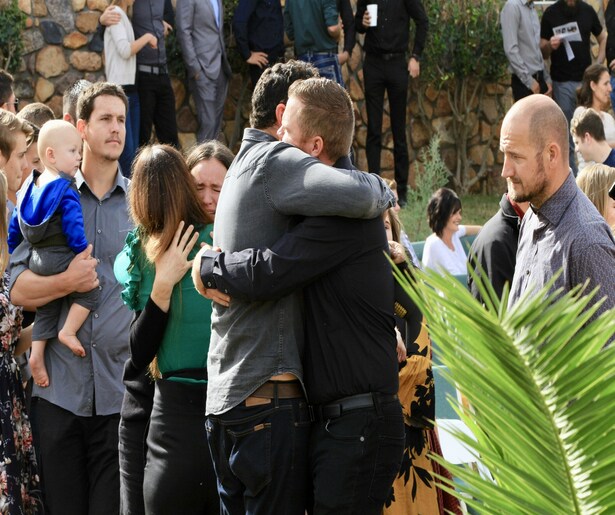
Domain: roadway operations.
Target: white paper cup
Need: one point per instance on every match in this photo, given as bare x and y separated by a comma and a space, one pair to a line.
372, 9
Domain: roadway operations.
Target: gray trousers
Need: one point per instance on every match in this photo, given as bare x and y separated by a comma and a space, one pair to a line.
209, 96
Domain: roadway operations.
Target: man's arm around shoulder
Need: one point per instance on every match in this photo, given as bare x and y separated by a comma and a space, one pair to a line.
301, 185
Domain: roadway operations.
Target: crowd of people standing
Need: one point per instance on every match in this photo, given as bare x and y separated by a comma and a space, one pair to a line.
226, 334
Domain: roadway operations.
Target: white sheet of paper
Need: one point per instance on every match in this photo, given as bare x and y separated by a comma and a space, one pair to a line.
567, 33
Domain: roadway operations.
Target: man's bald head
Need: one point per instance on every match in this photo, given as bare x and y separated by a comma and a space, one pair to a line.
544, 119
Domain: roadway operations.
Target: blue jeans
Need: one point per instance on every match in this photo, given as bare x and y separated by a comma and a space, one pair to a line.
327, 64
260, 457
565, 96
132, 133
355, 458
613, 92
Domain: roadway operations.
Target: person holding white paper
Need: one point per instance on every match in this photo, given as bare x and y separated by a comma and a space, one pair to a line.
565, 32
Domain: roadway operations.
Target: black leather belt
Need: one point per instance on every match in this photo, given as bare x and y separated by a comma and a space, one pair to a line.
339, 407
391, 56
155, 70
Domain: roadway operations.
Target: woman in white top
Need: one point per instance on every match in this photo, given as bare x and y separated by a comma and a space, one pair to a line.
595, 92
121, 68
443, 249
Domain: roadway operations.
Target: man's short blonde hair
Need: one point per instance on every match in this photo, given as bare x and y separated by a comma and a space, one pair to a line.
327, 112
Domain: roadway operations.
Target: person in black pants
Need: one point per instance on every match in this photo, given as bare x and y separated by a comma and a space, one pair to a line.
350, 360
385, 69
155, 92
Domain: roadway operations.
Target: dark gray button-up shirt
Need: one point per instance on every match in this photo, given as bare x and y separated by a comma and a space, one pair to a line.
566, 232
93, 384
266, 185
521, 36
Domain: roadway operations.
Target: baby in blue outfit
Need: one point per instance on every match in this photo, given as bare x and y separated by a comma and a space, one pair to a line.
49, 216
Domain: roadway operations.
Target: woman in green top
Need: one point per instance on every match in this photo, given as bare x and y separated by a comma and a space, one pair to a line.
172, 324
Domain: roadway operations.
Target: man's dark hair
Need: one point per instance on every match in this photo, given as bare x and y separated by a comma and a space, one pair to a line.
272, 89
588, 122
6, 86
71, 96
85, 104
442, 205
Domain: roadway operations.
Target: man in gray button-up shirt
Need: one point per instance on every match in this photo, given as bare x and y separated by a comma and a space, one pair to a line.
563, 229
254, 343
521, 36
78, 414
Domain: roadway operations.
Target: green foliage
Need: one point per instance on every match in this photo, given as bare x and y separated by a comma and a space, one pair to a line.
464, 52
434, 176
175, 60
540, 387
464, 42
12, 24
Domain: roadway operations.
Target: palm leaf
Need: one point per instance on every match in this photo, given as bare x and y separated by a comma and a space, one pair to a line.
539, 381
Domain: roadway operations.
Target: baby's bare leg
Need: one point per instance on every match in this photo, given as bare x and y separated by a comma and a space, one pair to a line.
37, 363
77, 315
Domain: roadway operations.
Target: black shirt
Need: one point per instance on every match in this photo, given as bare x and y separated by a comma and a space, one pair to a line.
495, 249
350, 35
259, 27
392, 34
555, 15
349, 324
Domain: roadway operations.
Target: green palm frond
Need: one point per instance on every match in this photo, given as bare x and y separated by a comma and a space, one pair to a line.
542, 394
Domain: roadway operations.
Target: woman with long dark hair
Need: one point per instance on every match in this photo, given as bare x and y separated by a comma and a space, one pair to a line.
171, 331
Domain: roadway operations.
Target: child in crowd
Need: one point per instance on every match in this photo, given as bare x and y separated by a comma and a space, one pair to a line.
49, 216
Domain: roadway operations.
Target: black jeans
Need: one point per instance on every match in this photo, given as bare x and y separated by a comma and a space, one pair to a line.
520, 90
179, 476
390, 75
260, 457
132, 434
157, 102
79, 460
355, 458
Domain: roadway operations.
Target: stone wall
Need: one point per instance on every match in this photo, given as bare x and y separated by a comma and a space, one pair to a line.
60, 48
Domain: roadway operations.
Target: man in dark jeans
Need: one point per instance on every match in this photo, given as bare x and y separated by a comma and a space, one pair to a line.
386, 69
156, 95
349, 363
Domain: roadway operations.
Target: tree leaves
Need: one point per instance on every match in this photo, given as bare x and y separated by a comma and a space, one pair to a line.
540, 385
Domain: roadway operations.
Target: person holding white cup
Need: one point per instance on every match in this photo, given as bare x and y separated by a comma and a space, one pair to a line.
386, 25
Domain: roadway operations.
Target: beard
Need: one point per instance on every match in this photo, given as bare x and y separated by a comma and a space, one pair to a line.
571, 12
535, 195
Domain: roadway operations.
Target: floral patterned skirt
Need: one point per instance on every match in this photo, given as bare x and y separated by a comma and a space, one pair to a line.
19, 482
414, 489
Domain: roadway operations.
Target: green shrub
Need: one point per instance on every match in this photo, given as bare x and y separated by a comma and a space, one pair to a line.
464, 53
435, 175
12, 24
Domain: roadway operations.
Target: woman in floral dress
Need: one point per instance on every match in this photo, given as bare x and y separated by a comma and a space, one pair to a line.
19, 482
